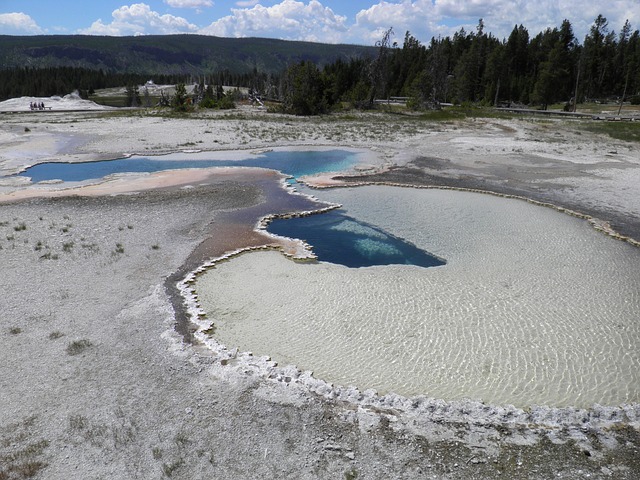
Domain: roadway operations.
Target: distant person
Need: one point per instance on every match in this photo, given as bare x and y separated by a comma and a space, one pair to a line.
41, 105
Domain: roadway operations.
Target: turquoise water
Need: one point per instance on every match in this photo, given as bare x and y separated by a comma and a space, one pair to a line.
293, 163
338, 238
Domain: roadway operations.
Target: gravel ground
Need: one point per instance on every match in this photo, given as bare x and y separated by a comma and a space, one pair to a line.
95, 382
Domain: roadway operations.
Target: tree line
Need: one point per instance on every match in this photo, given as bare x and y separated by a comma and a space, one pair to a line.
50, 81
550, 67
475, 67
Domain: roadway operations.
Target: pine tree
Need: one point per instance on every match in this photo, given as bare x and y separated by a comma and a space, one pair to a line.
379, 68
303, 90
133, 96
594, 57
179, 99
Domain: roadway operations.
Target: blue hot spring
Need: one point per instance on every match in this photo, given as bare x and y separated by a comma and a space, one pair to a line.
338, 238
293, 163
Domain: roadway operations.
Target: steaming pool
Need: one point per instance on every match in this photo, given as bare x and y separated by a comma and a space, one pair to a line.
532, 306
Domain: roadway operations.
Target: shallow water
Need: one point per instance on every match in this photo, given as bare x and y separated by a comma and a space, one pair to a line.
533, 306
294, 163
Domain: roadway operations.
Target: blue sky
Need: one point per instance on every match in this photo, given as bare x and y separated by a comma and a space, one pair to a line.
331, 21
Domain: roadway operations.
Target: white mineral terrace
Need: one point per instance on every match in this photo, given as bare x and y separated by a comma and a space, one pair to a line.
534, 307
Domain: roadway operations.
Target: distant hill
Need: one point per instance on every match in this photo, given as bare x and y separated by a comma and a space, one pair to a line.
168, 54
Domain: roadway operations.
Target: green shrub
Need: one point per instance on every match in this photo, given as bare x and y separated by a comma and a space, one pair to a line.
224, 103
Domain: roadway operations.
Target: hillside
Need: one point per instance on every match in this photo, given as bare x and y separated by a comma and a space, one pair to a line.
167, 54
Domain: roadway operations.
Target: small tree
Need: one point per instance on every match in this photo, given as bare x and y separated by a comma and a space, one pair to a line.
217, 99
147, 97
133, 96
303, 90
208, 100
226, 102
359, 95
423, 91
378, 69
179, 100
199, 92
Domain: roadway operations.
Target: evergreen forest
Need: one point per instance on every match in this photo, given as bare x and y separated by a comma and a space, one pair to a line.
524, 69
475, 67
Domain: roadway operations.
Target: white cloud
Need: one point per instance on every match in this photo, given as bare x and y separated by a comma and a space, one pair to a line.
471, 9
197, 4
18, 23
311, 20
426, 18
139, 19
288, 19
417, 17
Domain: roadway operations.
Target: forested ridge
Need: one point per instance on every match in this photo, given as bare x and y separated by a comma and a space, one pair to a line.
38, 65
537, 70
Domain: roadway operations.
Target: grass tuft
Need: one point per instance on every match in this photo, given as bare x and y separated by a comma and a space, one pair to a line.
78, 346
169, 468
627, 131
21, 464
157, 453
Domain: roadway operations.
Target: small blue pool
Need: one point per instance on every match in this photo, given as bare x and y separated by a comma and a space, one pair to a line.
338, 238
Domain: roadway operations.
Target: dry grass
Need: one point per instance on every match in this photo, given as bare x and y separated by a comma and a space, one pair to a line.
21, 455
78, 346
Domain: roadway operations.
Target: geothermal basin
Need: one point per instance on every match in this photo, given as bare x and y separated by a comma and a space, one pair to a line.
476, 296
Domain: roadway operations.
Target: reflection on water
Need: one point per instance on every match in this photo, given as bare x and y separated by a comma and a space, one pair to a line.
338, 238
532, 307
294, 163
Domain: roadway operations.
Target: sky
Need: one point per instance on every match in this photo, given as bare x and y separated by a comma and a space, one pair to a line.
359, 22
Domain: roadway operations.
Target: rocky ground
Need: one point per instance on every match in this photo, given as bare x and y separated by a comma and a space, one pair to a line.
95, 382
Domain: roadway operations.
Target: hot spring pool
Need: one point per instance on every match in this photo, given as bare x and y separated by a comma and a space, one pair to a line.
532, 307
338, 238
290, 162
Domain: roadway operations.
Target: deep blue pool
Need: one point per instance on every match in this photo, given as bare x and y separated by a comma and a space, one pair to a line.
338, 238
293, 163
